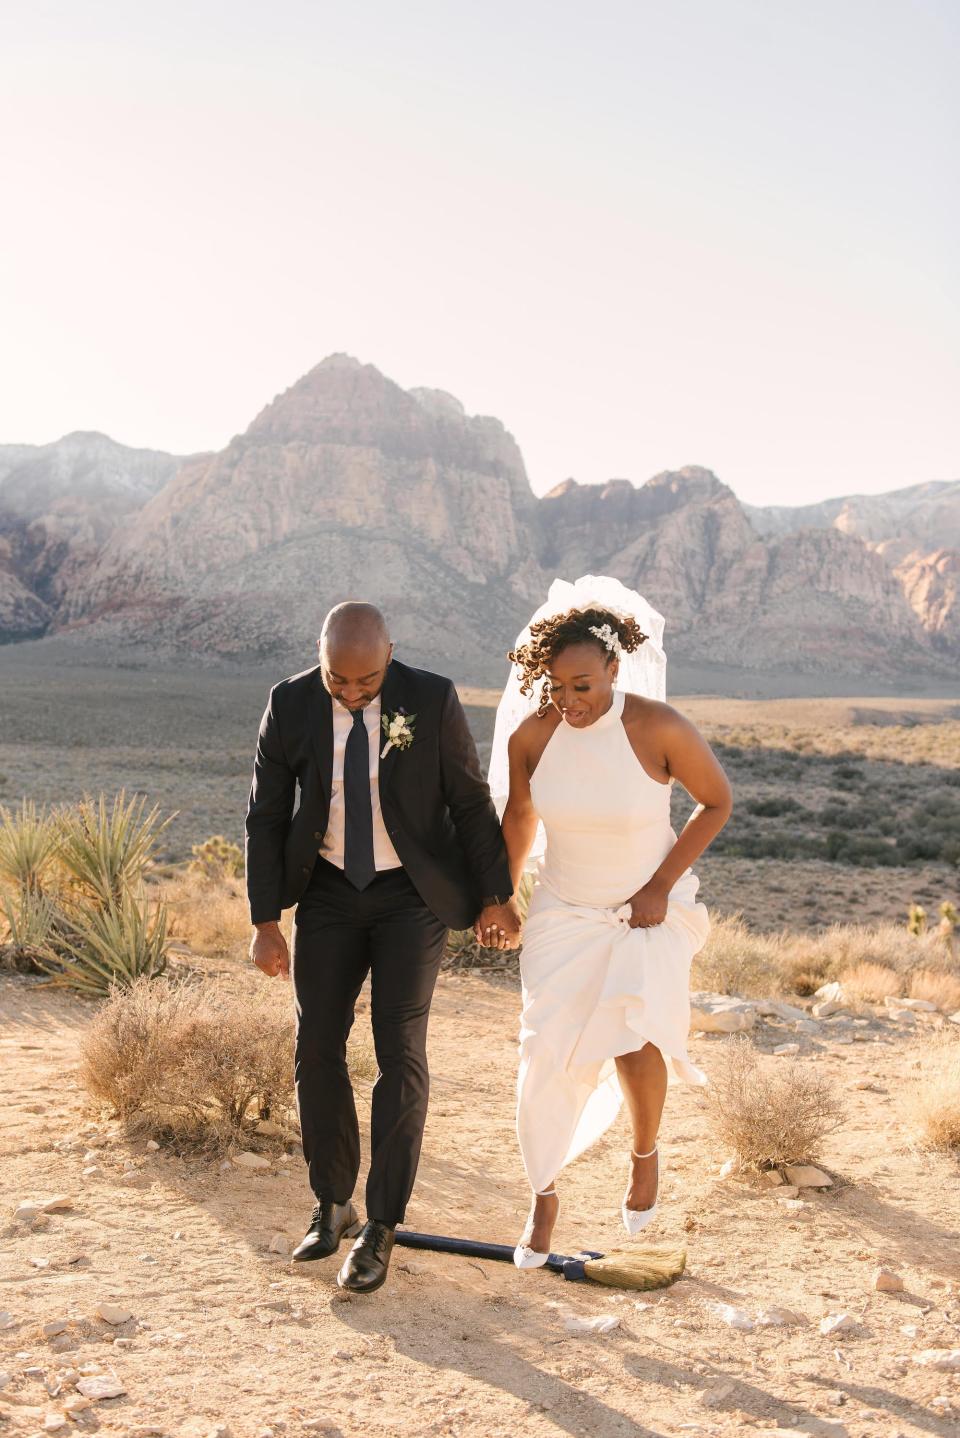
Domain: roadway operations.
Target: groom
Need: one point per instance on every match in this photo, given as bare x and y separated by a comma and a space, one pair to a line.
394, 840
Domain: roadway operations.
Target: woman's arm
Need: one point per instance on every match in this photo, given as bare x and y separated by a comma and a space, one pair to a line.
688, 757
519, 823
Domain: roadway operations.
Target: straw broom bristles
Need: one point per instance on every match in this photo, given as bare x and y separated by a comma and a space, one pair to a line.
649, 1266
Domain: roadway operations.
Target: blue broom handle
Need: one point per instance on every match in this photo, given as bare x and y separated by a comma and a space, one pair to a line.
474, 1248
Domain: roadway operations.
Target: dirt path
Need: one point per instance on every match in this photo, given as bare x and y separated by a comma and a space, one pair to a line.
226, 1332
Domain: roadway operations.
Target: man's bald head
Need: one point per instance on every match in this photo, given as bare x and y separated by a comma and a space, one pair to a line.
355, 650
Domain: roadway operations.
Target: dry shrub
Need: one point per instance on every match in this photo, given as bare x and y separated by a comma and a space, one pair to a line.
871, 983
736, 961
211, 915
195, 1061
931, 1102
938, 986
809, 960
769, 1112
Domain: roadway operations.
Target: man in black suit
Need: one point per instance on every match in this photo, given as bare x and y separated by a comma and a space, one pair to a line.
394, 840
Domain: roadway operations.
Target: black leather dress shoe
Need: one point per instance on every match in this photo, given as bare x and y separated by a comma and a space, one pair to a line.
331, 1222
365, 1266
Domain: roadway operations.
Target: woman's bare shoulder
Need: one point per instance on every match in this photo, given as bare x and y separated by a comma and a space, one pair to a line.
534, 730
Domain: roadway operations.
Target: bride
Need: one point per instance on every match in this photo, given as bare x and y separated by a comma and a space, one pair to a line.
585, 753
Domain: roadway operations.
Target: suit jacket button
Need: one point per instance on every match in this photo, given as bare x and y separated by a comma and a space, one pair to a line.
304, 870
317, 834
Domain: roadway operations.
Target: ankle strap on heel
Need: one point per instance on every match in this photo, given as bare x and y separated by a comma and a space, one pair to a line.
644, 1155
544, 1192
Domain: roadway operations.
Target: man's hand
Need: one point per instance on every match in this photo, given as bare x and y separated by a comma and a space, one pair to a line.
648, 906
268, 950
498, 926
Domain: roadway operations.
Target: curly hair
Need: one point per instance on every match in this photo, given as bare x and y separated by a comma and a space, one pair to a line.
549, 636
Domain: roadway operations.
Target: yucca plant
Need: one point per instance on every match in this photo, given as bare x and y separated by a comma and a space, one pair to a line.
106, 850
115, 943
30, 920
217, 858
29, 838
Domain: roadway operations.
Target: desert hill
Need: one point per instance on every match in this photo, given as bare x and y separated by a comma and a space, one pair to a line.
348, 484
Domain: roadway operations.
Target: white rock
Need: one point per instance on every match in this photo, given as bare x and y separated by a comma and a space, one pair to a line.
5, 1377
837, 1322
77, 1404
250, 1160
721, 1014
830, 1000
733, 1317
778, 1009
903, 1015
7, 1319
944, 1360
786, 1049
787, 1192
602, 1323
58, 1204
101, 1385
54, 1422
910, 1329
919, 1006
91, 1171
27, 1210
804, 1175
281, 1243
777, 1318
954, 1018
793, 1205
152, 1145
728, 1168
113, 1313
40, 1262
55, 1326
886, 1281
806, 1026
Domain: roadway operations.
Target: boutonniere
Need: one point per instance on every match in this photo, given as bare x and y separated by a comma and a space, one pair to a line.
398, 728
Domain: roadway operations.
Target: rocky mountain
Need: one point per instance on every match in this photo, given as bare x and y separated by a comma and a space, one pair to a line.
59, 504
344, 485
347, 485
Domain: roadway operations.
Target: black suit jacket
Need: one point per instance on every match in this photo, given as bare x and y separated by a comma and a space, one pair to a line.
435, 801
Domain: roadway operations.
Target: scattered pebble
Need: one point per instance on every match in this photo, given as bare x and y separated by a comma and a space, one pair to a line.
152, 1145
786, 1049
771, 1178
5, 1377
733, 1317
113, 1313
249, 1160
886, 1281
602, 1323
54, 1422
409, 1265
944, 1360
55, 1326
281, 1243
837, 1323
777, 1318
101, 1385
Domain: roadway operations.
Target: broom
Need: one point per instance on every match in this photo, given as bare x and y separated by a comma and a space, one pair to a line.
640, 1266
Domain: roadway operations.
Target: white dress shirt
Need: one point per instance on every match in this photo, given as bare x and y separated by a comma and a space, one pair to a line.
384, 854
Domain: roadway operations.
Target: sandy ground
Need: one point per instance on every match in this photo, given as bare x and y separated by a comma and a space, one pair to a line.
227, 1333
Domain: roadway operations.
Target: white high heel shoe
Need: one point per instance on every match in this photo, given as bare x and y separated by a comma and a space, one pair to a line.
523, 1255
634, 1219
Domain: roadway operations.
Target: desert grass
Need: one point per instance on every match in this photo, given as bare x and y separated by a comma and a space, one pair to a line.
735, 960
930, 1102
197, 1062
871, 982
210, 914
769, 1112
938, 987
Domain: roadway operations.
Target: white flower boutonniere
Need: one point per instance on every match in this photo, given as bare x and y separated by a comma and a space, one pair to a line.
398, 728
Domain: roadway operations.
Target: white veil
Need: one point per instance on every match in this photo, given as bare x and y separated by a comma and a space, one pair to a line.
642, 672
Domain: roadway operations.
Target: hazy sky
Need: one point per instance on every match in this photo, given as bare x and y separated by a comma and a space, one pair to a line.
642, 234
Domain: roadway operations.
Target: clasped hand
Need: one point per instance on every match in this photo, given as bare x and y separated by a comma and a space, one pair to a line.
498, 926
648, 906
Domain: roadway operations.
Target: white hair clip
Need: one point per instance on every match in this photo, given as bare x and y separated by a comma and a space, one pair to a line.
609, 635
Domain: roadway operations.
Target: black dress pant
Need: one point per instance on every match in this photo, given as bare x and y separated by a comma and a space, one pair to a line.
340, 934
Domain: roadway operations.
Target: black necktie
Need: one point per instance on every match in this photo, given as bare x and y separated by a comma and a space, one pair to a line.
358, 863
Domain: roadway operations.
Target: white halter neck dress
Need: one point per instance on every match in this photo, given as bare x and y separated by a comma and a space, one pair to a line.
593, 987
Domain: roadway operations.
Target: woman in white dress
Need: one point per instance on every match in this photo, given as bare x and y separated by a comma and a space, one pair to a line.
590, 752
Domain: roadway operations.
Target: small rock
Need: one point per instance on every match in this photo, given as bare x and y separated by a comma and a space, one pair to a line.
830, 1000
27, 1210
919, 1006
729, 1168
113, 1313
6, 1377
269, 1128
152, 1145
954, 1018
77, 1404
837, 1323
62, 1343
788, 1191
280, 1243
777, 1318
886, 1281
55, 1326
806, 1026
58, 1204
54, 1422
7, 1319
910, 1330
793, 1204
101, 1385
602, 1323
721, 1014
220, 1430
836, 1395
718, 1396
778, 1009
40, 1262
903, 1015
91, 1171
771, 1178
944, 1360
409, 1265
249, 1160
804, 1175
786, 1049
733, 1317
